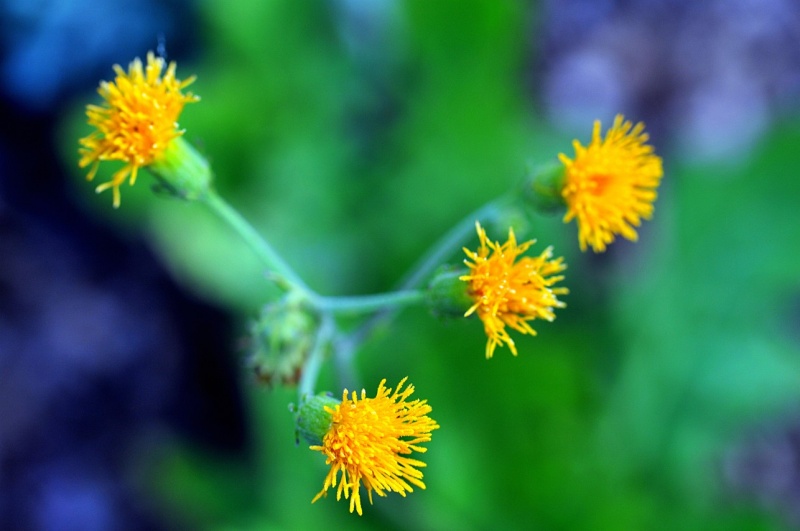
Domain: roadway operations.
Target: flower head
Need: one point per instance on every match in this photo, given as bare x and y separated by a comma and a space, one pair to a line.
137, 121
611, 184
511, 292
368, 442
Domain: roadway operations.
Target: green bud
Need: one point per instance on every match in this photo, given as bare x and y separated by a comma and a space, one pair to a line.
282, 339
182, 171
447, 294
312, 421
543, 187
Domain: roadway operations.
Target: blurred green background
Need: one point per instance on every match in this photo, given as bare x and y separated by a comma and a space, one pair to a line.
352, 148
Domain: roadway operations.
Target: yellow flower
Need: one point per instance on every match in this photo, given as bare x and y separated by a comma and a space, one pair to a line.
611, 184
137, 122
507, 292
369, 439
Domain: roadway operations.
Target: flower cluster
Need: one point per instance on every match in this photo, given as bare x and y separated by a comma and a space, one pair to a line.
608, 188
511, 292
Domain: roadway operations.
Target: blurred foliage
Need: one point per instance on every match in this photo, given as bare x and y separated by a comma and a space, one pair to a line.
352, 154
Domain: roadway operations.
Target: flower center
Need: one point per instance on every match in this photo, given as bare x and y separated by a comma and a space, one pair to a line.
597, 184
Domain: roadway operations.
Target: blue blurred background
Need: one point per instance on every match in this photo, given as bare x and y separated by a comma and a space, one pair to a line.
353, 133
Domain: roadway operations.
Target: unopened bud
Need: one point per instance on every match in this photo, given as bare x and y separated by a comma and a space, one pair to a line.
283, 338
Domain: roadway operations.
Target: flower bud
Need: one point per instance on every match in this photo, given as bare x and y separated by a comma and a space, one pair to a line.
283, 338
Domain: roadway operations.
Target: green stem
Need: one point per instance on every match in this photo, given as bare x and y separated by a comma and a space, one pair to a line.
312, 366
256, 242
437, 254
367, 303
450, 242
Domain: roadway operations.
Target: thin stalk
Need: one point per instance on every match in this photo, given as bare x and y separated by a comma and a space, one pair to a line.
276, 265
367, 303
345, 370
312, 366
436, 255
450, 242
